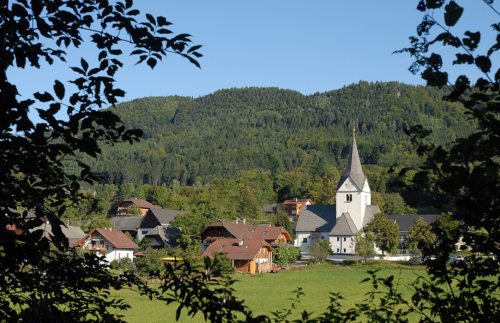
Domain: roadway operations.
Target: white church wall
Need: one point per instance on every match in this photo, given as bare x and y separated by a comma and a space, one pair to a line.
342, 244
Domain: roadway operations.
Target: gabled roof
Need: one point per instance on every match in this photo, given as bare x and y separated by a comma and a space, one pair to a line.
319, 218
71, 232
353, 169
270, 233
117, 239
344, 226
143, 204
238, 230
370, 212
164, 216
405, 222
167, 235
126, 223
233, 250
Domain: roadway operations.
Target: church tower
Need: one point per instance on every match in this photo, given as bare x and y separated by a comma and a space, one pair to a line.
353, 192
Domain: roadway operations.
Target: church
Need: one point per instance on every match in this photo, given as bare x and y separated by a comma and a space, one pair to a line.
339, 222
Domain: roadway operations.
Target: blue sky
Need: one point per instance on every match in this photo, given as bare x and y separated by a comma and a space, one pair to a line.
308, 46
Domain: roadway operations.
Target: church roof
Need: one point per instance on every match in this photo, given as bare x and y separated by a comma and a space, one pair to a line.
353, 169
344, 226
319, 218
370, 212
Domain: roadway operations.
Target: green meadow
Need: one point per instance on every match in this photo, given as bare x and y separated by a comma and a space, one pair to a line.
271, 292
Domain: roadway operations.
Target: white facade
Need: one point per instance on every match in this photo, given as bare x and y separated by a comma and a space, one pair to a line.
342, 244
101, 247
352, 200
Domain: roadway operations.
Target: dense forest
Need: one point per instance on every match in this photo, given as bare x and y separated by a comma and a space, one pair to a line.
188, 139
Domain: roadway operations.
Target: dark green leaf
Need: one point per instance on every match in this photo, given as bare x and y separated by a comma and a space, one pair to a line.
484, 63
59, 89
452, 14
472, 40
43, 97
151, 19
151, 62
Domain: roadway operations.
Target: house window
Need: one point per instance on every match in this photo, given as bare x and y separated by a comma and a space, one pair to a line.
338, 250
344, 250
338, 239
348, 197
304, 240
344, 240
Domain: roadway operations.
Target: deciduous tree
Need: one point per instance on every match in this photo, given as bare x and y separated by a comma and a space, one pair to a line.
386, 233
34, 183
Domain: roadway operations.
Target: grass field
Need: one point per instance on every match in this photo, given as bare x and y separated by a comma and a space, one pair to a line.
270, 292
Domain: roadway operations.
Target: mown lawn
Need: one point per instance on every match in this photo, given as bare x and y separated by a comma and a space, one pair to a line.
271, 292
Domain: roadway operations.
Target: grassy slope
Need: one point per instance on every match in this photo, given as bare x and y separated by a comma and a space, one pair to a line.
271, 292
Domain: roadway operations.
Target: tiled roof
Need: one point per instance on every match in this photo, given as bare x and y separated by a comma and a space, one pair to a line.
71, 232
126, 223
164, 216
269, 233
370, 212
116, 238
353, 169
344, 226
320, 218
232, 249
238, 230
167, 235
141, 203
405, 222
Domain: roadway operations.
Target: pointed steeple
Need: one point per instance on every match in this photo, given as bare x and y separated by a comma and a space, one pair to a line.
353, 169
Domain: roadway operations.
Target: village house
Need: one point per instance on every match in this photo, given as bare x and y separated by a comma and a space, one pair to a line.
295, 206
405, 222
111, 244
156, 228
272, 235
339, 222
249, 248
73, 233
226, 229
252, 256
126, 224
134, 206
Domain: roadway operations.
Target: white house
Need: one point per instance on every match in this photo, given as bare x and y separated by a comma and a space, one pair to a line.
339, 222
113, 245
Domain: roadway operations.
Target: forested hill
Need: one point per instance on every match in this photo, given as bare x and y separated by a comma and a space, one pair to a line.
274, 129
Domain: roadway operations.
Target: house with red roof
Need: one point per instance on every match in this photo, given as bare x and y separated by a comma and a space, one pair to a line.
111, 244
252, 256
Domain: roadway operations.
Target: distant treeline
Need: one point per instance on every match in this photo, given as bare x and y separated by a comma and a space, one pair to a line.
274, 130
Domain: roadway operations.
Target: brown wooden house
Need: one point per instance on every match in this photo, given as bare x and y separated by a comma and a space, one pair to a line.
226, 229
272, 235
252, 256
132, 206
294, 206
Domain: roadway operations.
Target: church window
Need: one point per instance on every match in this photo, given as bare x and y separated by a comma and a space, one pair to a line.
348, 197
